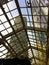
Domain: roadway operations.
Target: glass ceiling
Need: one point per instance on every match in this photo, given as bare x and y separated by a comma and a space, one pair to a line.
23, 27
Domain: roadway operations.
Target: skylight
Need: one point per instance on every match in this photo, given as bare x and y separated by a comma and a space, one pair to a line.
23, 28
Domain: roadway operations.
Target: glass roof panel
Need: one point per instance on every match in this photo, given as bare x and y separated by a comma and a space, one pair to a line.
11, 5
2, 27
5, 8
9, 15
3, 18
4, 32
1, 12
22, 3
15, 13
23, 29
6, 24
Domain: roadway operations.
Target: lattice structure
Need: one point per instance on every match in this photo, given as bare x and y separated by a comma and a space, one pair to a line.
24, 31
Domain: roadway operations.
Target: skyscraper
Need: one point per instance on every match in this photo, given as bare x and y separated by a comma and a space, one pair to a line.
21, 36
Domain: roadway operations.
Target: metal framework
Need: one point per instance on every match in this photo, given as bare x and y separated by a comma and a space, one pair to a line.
24, 28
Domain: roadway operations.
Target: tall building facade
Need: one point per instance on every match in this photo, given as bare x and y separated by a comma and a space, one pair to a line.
21, 35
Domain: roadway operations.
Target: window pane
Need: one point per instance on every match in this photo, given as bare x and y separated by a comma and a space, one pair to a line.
9, 30
4, 32
14, 13
6, 24
12, 22
3, 18
2, 27
9, 15
5, 8
11, 5
22, 3
24, 11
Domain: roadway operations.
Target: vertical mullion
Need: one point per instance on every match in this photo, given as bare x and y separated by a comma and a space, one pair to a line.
47, 46
33, 26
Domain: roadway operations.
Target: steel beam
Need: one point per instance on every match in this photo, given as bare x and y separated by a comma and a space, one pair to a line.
36, 29
11, 25
47, 46
27, 28
29, 47
8, 47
